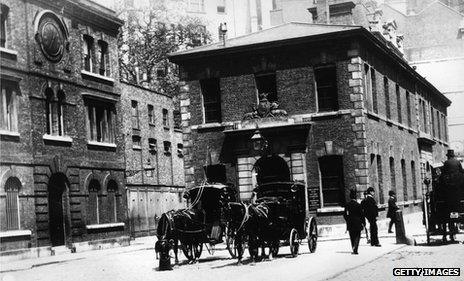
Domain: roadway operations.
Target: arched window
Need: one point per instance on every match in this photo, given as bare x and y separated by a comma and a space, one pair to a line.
54, 112
12, 187
94, 189
112, 188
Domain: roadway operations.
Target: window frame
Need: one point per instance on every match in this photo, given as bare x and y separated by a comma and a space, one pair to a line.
4, 32
260, 79
103, 58
88, 53
335, 106
135, 115
12, 207
212, 105
341, 178
151, 114
109, 108
9, 106
54, 111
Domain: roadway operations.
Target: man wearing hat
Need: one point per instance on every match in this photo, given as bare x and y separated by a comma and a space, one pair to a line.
451, 166
355, 221
371, 212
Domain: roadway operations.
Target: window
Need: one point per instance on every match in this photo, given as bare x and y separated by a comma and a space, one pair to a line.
149, 169
331, 169
368, 86
266, 84
221, 6
445, 127
326, 85
54, 112
135, 115
151, 114
438, 125
180, 150
165, 118
414, 182
375, 105
103, 56
408, 108
392, 174
386, 90
167, 147
380, 177
211, 93
152, 146
432, 115
4, 25
112, 188
398, 103
101, 118
136, 142
87, 53
405, 180
94, 204
12, 186
8, 105
424, 123
177, 119
196, 5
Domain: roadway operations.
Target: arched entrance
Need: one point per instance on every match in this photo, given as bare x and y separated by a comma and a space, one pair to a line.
56, 187
270, 169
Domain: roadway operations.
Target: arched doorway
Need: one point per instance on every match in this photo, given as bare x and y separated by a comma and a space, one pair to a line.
56, 187
271, 169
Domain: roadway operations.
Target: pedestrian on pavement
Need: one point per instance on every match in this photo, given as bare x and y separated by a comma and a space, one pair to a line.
371, 212
368, 241
392, 208
355, 221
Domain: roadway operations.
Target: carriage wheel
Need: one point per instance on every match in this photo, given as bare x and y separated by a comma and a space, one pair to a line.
253, 246
231, 243
312, 235
274, 248
294, 242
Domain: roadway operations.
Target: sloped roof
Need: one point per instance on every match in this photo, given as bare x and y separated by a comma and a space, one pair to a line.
291, 30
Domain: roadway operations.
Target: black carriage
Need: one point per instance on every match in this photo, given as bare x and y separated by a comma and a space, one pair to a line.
289, 221
443, 203
208, 222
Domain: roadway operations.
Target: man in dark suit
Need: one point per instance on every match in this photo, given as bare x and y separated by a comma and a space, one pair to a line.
371, 212
392, 208
355, 221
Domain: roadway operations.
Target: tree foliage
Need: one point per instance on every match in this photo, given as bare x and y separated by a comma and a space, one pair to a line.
145, 41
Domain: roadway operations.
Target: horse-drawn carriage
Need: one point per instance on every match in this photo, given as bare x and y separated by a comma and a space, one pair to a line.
205, 222
283, 219
444, 204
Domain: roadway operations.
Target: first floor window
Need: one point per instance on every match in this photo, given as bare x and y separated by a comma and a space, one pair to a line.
405, 181
326, 88
103, 58
380, 177
266, 84
88, 53
332, 180
112, 188
392, 174
12, 187
54, 112
165, 118
414, 182
101, 117
8, 104
211, 93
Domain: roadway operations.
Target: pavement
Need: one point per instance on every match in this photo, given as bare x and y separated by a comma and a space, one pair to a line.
413, 229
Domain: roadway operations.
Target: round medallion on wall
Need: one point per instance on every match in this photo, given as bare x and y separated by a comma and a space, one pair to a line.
51, 36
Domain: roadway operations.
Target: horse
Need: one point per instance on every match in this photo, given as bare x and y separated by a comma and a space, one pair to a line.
185, 226
237, 217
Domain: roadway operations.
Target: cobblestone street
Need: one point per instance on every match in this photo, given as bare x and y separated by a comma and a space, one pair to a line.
332, 261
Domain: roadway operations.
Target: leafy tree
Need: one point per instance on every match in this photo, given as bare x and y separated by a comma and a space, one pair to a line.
146, 39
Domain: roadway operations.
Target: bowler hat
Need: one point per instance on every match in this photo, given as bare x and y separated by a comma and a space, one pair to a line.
450, 153
370, 189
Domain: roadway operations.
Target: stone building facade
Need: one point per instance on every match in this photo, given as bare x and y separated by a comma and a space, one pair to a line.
343, 111
154, 157
62, 153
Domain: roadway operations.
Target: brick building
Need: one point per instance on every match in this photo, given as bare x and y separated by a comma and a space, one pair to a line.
343, 111
434, 44
154, 157
62, 154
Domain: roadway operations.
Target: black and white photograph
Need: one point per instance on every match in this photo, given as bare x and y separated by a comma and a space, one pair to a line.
237, 140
